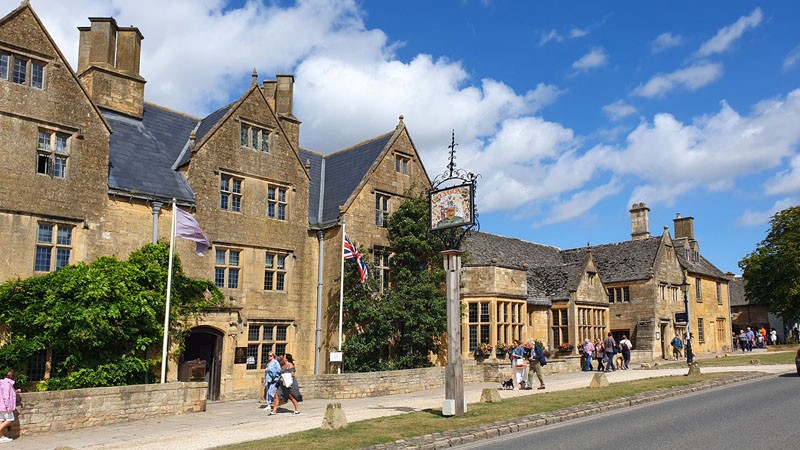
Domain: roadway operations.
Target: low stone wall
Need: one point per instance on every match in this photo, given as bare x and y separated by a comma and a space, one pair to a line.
41, 412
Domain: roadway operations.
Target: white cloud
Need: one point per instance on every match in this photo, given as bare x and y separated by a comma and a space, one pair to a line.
597, 57
577, 33
752, 218
692, 78
580, 203
555, 36
791, 59
786, 181
618, 110
665, 41
728, 35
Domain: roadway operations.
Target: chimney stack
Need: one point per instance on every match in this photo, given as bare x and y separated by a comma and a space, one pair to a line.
284, 94
640, 221
684, 227
108, 65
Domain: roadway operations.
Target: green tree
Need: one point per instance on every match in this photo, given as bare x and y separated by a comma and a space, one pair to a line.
95, 321
772, 272
398, 328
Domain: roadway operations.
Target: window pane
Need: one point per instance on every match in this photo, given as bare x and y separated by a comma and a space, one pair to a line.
484, 312
223, 201
42, 263
237, 186
3, 66
233, 259
243, 139
473, 312
60, 167
253, 332
18, 75
44, 141
236, 206
268, 281
43, 164
281, 195
220, 257
252, 351
233, 278
219, 277
45, 234
254, 137
264, 141
280, 349
62, 257
37, 75
64, 236
281, 212
281, 262
279, 282
61, 144
280, 333
271, 193
269, 261
268, 332
224, 184
271, 210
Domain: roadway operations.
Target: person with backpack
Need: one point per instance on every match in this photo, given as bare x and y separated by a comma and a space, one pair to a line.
677, 347
537, 361
625, 346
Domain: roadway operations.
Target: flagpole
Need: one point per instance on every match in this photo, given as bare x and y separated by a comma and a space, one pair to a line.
169, 296
341, 290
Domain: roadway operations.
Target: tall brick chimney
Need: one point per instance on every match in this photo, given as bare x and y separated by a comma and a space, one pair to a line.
640, 221
284, 95
684, 227
108, 65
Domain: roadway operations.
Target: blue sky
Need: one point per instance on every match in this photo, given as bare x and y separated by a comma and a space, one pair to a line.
570, 111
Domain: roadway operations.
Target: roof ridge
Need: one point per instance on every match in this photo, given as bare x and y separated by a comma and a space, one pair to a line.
362, 143
164, 108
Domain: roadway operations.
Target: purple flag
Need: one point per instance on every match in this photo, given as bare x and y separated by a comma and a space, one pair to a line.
188, 228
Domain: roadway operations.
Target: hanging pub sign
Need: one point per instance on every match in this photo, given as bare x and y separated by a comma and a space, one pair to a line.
452, 207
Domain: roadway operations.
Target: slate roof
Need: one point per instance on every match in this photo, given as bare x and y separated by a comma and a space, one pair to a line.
482, 247
202, 128
736, 292
553, 282
621, 261
702, 266
316, 173
142, 153
344, 171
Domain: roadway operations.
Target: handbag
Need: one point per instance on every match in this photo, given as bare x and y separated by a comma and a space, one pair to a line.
287, 379
519, 362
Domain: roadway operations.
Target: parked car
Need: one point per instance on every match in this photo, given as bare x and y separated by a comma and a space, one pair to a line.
797, 361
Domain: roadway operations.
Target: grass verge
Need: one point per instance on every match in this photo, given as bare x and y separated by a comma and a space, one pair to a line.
740, 359
389, 429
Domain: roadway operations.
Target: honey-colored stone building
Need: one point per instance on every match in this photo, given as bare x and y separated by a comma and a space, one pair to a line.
92, 169
630, 288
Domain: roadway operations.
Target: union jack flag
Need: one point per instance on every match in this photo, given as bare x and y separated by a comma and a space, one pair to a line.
350, 252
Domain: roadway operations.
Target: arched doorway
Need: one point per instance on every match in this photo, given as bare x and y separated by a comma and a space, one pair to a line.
204, 344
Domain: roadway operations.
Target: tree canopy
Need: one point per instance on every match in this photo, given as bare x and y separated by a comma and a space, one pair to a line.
772, 272
95, 321
399, 327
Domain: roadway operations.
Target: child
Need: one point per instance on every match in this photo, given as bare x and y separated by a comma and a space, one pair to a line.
8, 403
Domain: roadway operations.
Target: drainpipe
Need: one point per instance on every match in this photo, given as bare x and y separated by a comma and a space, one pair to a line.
156, 210
318, 341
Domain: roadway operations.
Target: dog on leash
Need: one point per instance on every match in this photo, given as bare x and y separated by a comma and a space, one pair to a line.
507, 384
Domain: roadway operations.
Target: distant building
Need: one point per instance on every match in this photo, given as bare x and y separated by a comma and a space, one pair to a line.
745, 314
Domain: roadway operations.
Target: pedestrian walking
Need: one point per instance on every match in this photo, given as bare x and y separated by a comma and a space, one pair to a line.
773, 337
751, 337
599, 354
609, 344
519, 365
677, 347
743, 340
625, 346
8, 404
272, 376
289, 389
588, 354
537, 361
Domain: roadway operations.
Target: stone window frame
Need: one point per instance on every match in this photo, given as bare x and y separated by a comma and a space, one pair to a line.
402, 164
33, 74
254, 136
509, 321
701, 332
225, 267
54, 244
478, 324
52, 153
560, 326
231, 197
381, 270
698, 290
591, 323
382, 208
277, 205
619, 294
276, 271
267, 338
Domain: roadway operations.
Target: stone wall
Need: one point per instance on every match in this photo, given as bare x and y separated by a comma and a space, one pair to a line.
42, 412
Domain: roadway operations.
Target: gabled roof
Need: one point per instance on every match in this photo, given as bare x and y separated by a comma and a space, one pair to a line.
203, 127
621, 261
142, 153
700, 267
344, 172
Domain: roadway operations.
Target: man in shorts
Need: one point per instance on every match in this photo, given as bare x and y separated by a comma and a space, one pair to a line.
8, 403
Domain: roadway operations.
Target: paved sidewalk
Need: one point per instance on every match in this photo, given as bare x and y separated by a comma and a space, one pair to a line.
240, 421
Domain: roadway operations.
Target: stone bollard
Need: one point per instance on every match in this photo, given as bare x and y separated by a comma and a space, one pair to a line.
334, 417
489, 395
694, 369
599, 380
